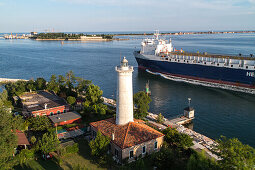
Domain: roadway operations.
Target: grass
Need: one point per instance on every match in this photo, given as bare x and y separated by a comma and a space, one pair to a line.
81, 160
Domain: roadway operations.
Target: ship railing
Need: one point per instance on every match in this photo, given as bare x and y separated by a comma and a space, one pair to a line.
213, 55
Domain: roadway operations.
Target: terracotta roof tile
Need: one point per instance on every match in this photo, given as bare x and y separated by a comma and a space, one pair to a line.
22, 139
128, 135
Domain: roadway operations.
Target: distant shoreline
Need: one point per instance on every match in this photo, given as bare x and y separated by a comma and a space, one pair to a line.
185, 33
60, 39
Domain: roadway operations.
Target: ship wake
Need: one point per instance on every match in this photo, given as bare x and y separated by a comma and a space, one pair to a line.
203, 83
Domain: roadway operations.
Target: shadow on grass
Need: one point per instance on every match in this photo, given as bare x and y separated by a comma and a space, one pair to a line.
40, 164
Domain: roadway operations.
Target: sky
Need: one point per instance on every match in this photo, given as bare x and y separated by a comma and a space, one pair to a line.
126, 15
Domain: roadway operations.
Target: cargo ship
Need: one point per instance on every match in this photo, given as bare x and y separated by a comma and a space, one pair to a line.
157, 56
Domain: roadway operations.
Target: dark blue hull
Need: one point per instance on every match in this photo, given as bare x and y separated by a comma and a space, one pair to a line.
201, 72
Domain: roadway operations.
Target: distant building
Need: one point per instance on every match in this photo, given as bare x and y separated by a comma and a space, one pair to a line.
91, 38
34, 33
42, 103
65, 118
130, 138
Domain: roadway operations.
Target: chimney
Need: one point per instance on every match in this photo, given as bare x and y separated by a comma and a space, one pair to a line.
112, 136
45, 106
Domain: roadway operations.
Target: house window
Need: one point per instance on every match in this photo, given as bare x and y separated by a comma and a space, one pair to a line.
144, 149
51, 113
116, 153
156, 145
94, 134
58, 112
131, 154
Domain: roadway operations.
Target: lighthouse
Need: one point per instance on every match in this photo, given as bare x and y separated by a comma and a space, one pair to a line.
124, 110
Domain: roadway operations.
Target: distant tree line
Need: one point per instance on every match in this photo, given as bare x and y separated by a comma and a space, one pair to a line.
67, 36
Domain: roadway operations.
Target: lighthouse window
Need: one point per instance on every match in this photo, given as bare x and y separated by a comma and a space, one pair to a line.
116, 153
144, 149
156, 145
131, 154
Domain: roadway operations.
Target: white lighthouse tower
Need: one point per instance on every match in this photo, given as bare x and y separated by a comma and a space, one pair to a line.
124, 93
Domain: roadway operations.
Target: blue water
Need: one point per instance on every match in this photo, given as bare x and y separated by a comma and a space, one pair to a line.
218, 112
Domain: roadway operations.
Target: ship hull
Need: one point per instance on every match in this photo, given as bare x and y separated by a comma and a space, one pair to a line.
221, 75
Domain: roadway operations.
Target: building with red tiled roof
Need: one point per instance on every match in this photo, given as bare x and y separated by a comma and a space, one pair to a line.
130, 138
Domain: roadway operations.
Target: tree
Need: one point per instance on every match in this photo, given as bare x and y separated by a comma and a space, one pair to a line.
94, 94
174, 138
8, 140
198, 161
234, 154
71, 100
48, 143
33, 139
99, 145
40, 84
160, 118
26, 155
30, 85
141, 101
82, 85
53, 84
39, 123
167, 158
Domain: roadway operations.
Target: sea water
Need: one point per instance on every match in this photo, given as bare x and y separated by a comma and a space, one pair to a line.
217, 112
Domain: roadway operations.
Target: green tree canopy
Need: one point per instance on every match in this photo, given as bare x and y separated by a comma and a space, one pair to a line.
99, 145
31, 85
160, 118
141, 101
82, 85
48, 143
39, 123
94, 94
71, 100
235, 155
53, 84
40, 84
8, 140
173, 137
199, 161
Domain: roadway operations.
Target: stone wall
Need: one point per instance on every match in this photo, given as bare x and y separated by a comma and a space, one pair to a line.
139, 148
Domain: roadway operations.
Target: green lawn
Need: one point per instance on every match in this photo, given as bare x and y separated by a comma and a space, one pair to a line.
77, 161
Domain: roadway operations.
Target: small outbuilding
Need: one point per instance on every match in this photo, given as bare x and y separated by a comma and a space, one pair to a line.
22, 140
65, 118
